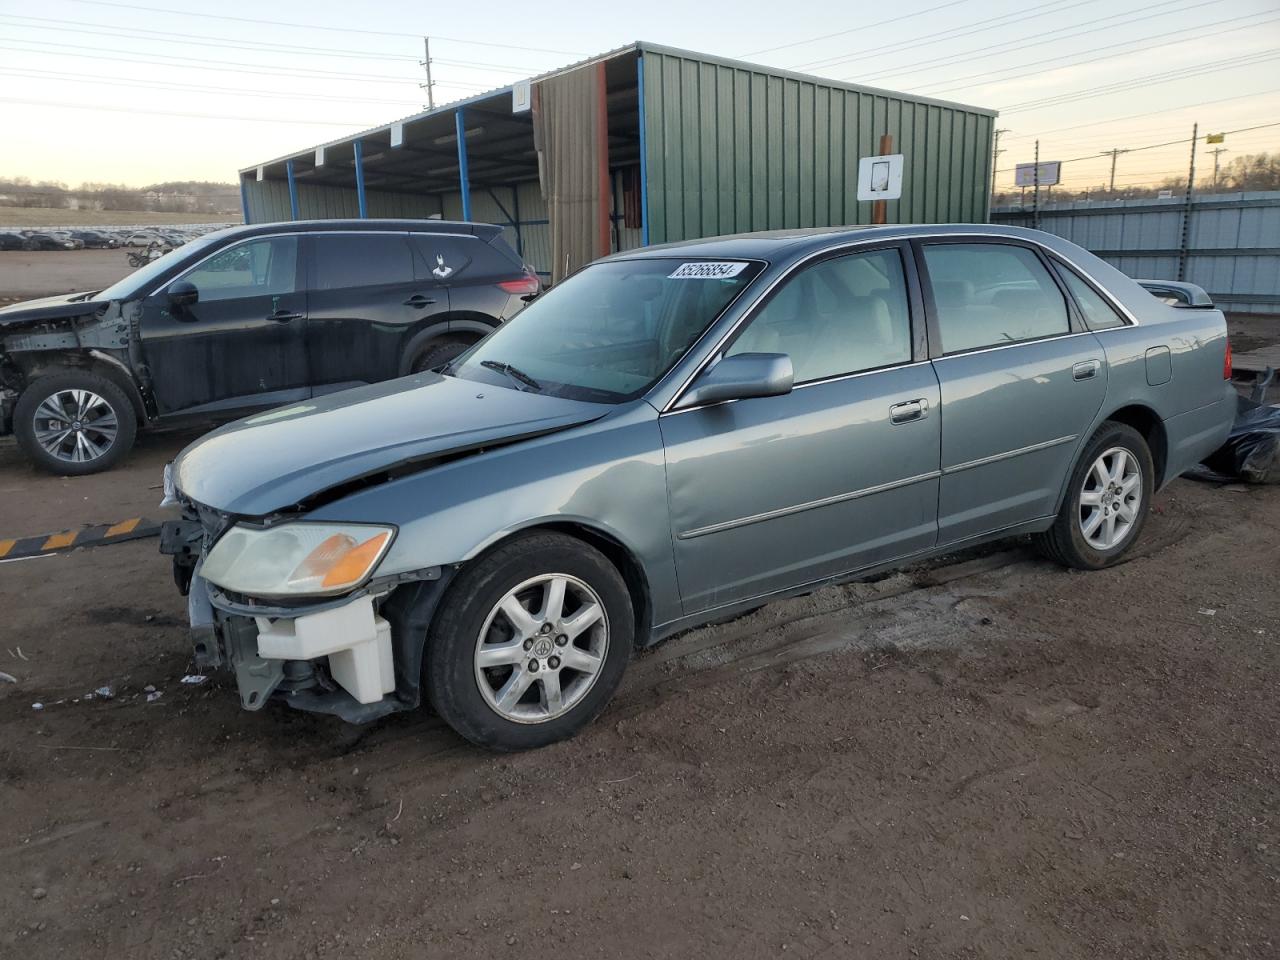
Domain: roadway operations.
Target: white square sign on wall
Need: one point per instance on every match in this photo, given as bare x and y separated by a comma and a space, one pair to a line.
880, 178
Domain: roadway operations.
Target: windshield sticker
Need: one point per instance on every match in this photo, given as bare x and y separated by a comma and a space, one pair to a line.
708, 270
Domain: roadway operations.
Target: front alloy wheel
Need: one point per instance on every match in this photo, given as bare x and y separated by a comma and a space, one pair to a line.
76, 426
74, 422
541, 648
529, 642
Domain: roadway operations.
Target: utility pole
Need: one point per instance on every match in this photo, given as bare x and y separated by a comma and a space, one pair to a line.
1216, 151
995, 159
1035, 190
429, 86
1113, 153
1186, 207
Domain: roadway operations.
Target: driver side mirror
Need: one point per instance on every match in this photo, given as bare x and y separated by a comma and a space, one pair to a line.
183, 294
742, 377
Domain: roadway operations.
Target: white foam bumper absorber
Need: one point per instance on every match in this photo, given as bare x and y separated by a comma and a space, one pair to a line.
356, 641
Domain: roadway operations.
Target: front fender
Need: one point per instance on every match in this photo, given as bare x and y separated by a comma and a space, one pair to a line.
608, 475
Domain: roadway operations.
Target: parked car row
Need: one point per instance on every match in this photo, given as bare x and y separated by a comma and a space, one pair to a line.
101, 238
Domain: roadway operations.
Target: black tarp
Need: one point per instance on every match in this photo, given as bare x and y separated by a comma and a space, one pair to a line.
1252, 450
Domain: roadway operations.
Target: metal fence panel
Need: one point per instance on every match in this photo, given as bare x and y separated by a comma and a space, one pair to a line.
1232, 247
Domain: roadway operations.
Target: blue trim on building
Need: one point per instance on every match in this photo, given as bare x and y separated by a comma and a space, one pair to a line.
464, 180
360, 197
644, 158
293, 190
244, 199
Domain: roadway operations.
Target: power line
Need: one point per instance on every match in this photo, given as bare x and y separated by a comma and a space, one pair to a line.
1148, 113
196, 88
238, 43
316, 26
1041, 38
232, 66
260, 46
1137, 82
95, 108
951, 33
1154, 146
859, 29
945, 86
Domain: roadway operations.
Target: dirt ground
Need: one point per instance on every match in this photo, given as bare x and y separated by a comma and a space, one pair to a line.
990, 758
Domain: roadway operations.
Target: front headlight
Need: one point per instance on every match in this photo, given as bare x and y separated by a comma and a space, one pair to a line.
296, 559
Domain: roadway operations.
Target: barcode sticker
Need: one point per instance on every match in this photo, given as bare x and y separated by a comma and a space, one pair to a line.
707, 270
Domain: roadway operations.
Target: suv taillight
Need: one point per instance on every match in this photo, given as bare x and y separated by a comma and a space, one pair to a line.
1226, 362
526, 286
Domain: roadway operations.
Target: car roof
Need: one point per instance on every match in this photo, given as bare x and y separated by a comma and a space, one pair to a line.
784, 244
485, 231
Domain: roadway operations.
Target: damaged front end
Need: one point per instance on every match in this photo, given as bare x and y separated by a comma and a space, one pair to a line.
357, 656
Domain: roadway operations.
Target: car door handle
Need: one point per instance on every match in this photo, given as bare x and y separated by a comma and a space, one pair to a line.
1086, 370
284, 316
908, 411
418, 300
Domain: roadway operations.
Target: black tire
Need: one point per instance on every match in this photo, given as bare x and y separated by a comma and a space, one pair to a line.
451, 673
42, 388
438, 353
1065, 541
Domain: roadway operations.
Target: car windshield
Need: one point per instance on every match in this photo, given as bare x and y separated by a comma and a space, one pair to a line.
144, 276
611, 331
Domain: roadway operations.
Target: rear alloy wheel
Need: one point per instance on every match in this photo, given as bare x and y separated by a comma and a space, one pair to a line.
1110, 498
1106, 503
74, 423
530, 642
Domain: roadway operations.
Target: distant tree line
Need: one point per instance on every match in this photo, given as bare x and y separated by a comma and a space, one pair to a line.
176, 196
1253, 171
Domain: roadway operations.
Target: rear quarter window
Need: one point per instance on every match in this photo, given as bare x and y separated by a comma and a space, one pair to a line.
1097, 313
462, 260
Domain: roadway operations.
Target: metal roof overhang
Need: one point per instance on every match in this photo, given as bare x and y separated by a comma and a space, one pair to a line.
499, 142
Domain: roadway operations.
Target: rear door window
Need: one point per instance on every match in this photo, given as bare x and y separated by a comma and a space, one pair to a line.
991, 294
342, 261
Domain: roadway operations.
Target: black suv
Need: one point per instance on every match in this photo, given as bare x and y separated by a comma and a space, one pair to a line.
247, 318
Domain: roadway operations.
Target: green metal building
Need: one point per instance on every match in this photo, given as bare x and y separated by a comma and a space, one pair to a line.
644, 144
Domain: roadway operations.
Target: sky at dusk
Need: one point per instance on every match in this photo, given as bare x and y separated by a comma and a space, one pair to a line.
137, 93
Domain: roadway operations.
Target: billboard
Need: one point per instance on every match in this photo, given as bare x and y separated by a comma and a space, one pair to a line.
1024, 174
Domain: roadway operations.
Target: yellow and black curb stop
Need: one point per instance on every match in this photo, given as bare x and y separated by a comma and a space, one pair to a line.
96, 535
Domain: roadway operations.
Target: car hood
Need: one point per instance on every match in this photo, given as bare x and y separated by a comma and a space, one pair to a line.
274, 460
51, 308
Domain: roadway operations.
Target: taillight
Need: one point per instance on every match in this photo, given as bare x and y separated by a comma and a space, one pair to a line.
527, 285
1226, 362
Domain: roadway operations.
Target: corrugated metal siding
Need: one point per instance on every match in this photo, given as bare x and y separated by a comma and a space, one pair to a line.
1233, 241
534, 241
733, 148
269, 202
